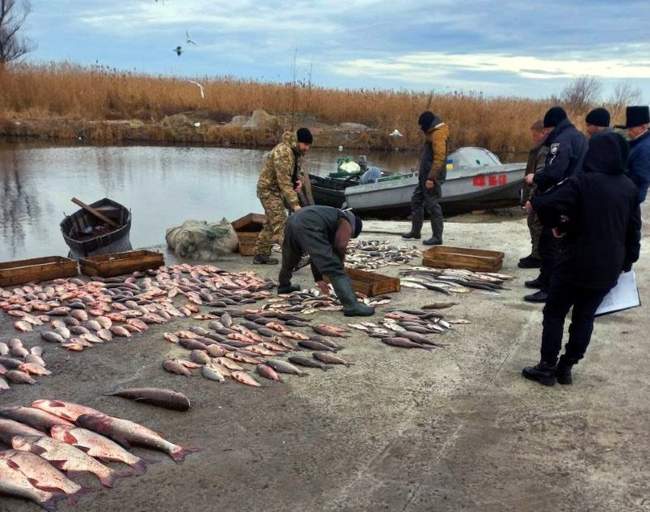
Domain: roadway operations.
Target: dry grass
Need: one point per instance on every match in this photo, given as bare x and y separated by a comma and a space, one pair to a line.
98, 94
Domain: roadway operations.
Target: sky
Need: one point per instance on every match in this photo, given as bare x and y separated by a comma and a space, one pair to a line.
506, 48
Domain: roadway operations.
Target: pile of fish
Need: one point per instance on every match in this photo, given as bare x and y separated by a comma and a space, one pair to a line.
19, 365
258, 341
450, 281
374, 254
408, 328
78, 314
51, 440
311, 301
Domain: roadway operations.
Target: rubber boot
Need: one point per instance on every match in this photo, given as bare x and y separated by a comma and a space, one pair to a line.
263, 259
287, 288
436, 232
416, 229
544, 373
345, 293
563, 371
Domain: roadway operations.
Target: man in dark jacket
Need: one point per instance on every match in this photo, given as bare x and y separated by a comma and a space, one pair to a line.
637, 121
566, 152
597, 121
322, 233
597, 212
432, 174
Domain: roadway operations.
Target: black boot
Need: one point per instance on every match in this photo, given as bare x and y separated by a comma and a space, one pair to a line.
287, 288
263, 259
433, 241
563, 371
535, 284
537, 297
416, 229
345, 293
411, 236
544, 373
530, 262
436, 231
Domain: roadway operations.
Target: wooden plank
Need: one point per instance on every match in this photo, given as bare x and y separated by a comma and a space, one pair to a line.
95, 212
372, 284
462, 258
110, 265
36, 270
249, 223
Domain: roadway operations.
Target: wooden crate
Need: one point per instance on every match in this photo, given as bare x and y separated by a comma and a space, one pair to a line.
36, 270
477, 260
247, 241
249, 223
120, 263
370, 283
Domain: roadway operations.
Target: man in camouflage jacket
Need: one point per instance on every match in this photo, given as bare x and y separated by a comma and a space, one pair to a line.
278, 189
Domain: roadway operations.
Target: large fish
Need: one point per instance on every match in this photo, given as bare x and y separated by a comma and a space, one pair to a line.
16, 484
156, 396
10, 428
307, 362
121, 431
244, 378
65, 457
175, 366
36, 418
97, 446
329, 358
40, 472
282, 366
66, 410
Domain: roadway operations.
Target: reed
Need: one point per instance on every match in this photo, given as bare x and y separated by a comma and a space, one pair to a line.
71, 92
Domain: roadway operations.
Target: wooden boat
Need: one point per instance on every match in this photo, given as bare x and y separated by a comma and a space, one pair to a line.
476, 179
87, 234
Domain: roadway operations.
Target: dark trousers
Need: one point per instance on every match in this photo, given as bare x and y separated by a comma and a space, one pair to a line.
305, 238
429, 200
549, 247
585, 301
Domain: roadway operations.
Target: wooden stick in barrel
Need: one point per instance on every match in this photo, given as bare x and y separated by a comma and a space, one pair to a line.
94, 212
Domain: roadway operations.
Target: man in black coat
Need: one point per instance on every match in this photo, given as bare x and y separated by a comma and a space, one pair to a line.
566, 151
598, 214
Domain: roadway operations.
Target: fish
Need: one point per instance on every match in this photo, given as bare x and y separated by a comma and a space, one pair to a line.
227, 363
97, 446
23, 326
133, 433
440, 305
307, 362
14, 483
175, 366
35, 418
329, 358
34, 369
417, 338
216, 351
211, 373
41, 474
171, 337
267, 372
65, 457
4, 385
315, 345
282, 366
192, 344
200, 357
120, 331
52, 337
410, 284
4, 349
397, 341
66, 410
244, 378
10, 428
19, 377
329, 330
159, 397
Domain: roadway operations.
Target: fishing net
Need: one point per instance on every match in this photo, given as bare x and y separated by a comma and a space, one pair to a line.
202, 241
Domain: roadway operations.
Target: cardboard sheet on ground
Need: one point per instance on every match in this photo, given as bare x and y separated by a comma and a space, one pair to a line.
624, 295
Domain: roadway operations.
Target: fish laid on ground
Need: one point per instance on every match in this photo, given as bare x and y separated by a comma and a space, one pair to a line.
52, 337
315, 345
66, 410
210, 372
16, 484
40, 472
279, 365
440, 305
19, 377
4, 385
244, 378
397, 341
329, 330
97, 446
159, 397
65, 457
10, 428
175, 366
329, 358
121, 430
307, 362
36, 418
267, 372
23, 326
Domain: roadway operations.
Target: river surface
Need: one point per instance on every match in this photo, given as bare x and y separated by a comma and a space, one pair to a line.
163, 186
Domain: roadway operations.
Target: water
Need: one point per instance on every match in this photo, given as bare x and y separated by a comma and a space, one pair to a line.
163, 186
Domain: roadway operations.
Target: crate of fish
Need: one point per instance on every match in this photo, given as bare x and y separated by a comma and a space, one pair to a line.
372, 284
36, 270
117, 264
478, 260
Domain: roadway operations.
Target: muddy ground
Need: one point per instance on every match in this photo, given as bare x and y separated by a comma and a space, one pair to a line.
455, 429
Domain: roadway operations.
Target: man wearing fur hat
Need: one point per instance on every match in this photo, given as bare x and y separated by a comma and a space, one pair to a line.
637, 122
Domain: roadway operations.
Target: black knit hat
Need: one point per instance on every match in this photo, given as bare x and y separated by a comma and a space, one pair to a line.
636, 116
304, 136
607, 153
554, 116
598, 117
428, 120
